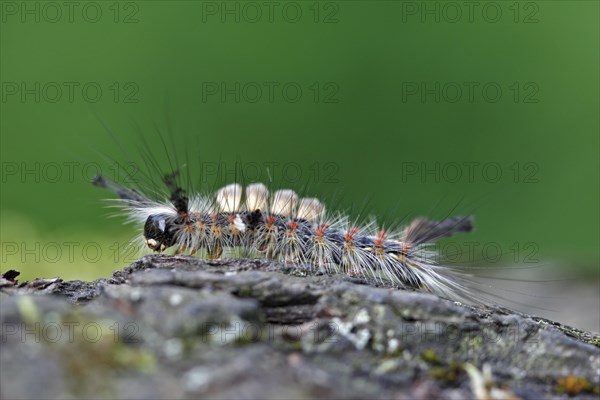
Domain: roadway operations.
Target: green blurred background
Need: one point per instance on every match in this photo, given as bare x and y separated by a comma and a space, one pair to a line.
385, 93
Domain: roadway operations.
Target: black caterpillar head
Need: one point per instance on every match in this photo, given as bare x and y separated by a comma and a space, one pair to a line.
158, 232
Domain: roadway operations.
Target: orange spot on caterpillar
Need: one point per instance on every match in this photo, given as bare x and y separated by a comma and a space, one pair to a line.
200, 224
293, 225
231, 219
270, 220
348, 238
405, 247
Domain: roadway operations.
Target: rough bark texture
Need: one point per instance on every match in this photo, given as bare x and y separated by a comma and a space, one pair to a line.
177, 327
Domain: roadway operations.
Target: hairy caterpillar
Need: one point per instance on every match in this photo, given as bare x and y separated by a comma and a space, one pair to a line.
282, 226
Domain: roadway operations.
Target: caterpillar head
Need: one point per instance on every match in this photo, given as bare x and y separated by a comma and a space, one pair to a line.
158, 233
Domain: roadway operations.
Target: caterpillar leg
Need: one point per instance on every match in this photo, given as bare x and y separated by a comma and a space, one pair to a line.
180, 250
215, 252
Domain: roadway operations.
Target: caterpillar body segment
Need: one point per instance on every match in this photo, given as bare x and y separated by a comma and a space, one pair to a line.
282, 226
